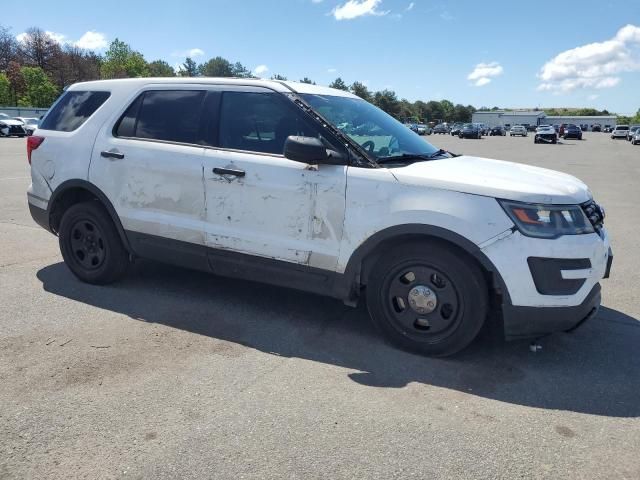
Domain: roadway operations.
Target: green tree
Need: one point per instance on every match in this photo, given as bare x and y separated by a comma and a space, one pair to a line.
216, 67
189, 68
387, 101
39, 91
277, 76
307, 80
361, 90
5, 90
238, 70
339, 84
120, 61
407, 112
160, 68
447, 110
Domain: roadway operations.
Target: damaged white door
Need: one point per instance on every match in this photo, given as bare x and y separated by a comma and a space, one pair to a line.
154, 184
260, 203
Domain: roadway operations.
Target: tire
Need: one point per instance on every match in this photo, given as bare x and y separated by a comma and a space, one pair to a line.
441, 276
90, 244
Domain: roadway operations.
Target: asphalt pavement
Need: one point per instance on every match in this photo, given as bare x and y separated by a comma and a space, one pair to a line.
178, 374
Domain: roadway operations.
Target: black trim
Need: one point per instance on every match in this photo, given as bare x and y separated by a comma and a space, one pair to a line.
227, 263
524, 322
91, 188
40, 216
355, 275
547, 274
607, 272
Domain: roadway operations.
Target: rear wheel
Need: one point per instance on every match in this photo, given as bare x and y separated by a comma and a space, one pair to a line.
426, 298
90, 244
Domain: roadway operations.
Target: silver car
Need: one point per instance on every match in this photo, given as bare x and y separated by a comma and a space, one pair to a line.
635, 140
632, 131
620, 131
518, 130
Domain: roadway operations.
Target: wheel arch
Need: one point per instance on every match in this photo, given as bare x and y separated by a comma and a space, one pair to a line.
74, 191
364, 257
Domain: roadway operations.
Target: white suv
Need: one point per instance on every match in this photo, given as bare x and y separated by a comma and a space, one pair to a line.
253, 179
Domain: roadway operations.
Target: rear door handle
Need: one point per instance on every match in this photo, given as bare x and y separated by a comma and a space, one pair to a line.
114, 155
229, 171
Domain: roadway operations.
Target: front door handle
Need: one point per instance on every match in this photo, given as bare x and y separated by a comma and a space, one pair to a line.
114, 155
229, 171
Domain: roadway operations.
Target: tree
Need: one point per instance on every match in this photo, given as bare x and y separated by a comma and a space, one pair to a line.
120, 61
160, 68
387, 101
361, 90
74, 65
39, 91
307, 80
16, 81
5, 90
216, 67
8, 48
277, 76
38, 48
447, 110
189, 68
407, 111
339, 84
238, 70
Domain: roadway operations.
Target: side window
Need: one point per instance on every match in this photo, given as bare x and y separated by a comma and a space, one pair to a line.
73, 109
260, 122
170, 115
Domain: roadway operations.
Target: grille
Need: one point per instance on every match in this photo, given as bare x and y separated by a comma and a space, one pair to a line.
595, 214
16, 129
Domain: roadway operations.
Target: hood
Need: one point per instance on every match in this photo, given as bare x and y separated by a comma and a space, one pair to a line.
495, 178
11, 122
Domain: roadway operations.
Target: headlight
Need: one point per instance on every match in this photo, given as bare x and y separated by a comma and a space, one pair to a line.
547, 221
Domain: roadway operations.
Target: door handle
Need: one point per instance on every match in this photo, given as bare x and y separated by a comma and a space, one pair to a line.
229, 171
114, 155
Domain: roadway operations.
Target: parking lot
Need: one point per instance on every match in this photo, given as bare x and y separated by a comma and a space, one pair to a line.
177, 374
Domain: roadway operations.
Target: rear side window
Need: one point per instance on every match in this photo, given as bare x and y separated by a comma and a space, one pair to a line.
72, 110
168, 115
260, 122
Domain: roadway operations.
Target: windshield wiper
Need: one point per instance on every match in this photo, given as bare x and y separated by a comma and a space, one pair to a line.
410, 157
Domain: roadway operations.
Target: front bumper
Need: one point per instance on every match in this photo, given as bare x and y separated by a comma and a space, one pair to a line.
565, 290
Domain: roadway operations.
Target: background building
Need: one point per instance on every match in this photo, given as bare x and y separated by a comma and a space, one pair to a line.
508, 118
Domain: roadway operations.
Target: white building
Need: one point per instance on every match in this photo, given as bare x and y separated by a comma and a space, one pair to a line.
508, 118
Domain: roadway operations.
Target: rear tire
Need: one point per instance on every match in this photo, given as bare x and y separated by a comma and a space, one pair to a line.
90, 244
427, 298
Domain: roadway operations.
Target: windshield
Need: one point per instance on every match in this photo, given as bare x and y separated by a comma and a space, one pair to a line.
375, 131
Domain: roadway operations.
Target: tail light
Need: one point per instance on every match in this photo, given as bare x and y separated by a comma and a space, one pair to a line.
33, 142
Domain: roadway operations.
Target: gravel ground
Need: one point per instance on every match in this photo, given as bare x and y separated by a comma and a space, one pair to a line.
178, 374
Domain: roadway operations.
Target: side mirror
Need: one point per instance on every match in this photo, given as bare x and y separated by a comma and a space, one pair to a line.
311, 150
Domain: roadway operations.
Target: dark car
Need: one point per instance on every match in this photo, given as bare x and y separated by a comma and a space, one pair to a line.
442, 128
572, 131
470, 130
545, 134
596, 128
457, 127
498, 130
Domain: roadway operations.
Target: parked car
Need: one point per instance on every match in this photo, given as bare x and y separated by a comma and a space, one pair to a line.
635, 140
632, 130
620, 131
572, 131
518, 130
531, 128
12, 128
596, 128
545, 134
29, 124
253, 182
3, 116
497, 130
607, 129
456, 128
441, 128
423, 129
484, 128
556, 127
470, 130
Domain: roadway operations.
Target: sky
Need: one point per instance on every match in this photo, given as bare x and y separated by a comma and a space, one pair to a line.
483, 53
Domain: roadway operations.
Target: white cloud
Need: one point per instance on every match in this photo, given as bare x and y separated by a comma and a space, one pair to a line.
595, 65
92, 41
260, 70
57, 37
445, 15
593, 97
316, 1
191, 53
410, 7
483, 73
358, 8
332, 70
21, 37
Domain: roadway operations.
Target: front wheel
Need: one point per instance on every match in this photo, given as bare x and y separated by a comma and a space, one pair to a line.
427, 298
90, 244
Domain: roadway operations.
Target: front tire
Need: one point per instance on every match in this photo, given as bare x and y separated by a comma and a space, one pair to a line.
90, 244
427, 298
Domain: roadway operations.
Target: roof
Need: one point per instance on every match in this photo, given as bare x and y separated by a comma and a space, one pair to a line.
277, 85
